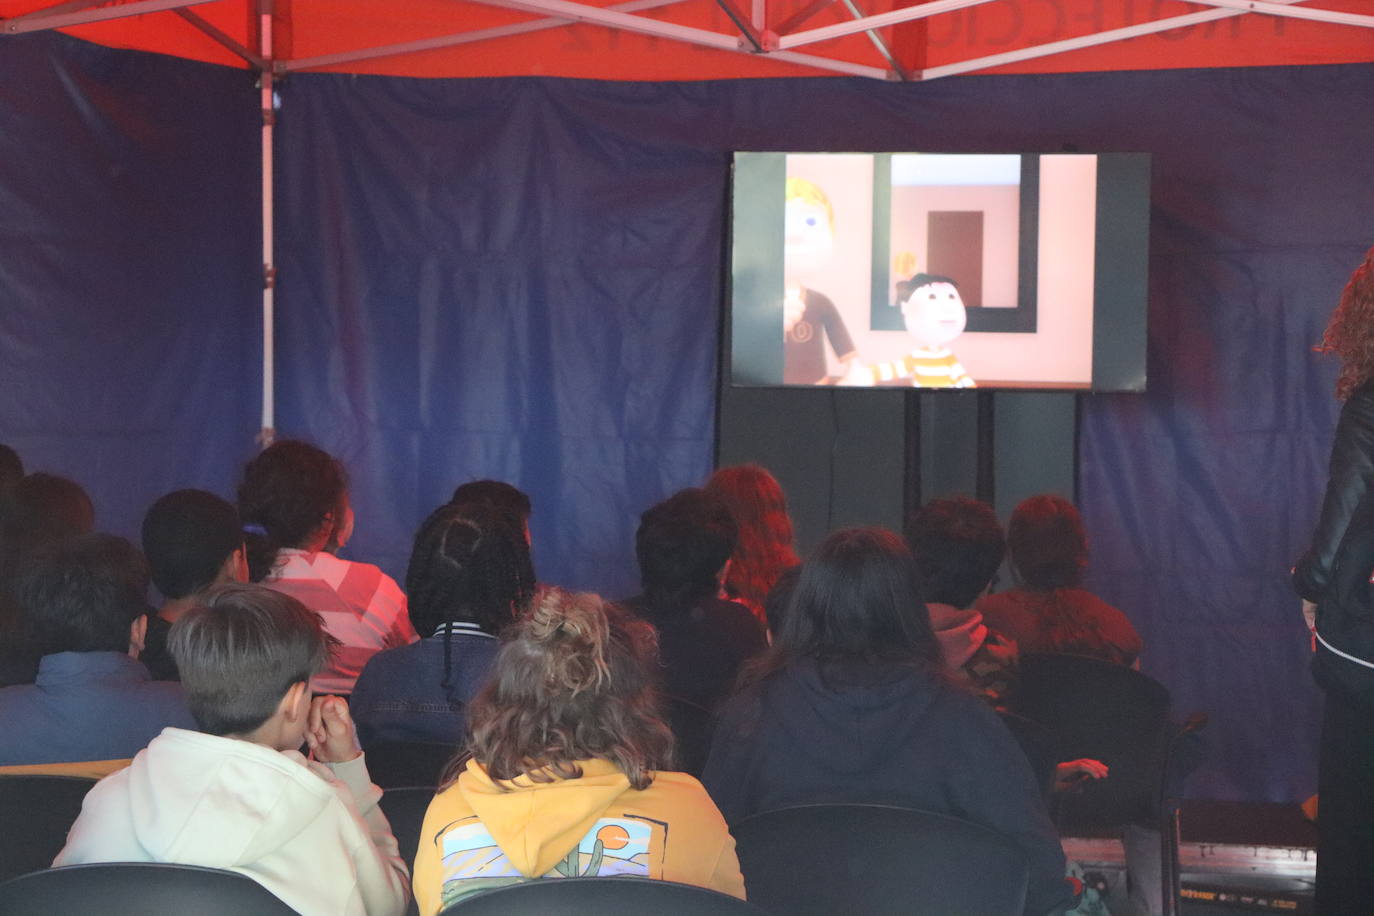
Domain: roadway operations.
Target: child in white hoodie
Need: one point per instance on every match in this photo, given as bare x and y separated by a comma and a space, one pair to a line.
237, 794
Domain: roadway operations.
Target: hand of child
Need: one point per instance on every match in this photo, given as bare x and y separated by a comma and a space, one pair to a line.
330, 732
1072, 772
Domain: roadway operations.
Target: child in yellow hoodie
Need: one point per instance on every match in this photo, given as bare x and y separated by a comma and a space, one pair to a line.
564, 779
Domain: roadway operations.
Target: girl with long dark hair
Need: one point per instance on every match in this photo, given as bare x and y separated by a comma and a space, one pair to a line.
851, 705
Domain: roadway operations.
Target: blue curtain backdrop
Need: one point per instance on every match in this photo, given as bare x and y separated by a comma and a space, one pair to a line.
129, 267
521, 278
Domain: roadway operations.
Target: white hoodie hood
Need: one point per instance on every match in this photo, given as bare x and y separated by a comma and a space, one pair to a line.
310, 834
259, 799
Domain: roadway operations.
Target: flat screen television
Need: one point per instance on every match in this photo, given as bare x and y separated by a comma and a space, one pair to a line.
942, 271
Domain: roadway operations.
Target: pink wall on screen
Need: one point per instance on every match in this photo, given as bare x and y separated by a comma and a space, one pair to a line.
1060, 352
1000, 204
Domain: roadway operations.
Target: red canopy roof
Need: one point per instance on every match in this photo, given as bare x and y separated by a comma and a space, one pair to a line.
712, 39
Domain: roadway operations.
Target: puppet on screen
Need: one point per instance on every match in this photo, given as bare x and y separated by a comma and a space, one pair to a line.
807, 315
934, 316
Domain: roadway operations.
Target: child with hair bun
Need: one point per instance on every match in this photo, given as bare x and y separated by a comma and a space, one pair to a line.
564, 774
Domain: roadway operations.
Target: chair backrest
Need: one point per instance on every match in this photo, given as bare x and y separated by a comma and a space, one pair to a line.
599, 896
35, 814
137, 889
876, 860
402, 764
1093, 708
1038, 745
405, 809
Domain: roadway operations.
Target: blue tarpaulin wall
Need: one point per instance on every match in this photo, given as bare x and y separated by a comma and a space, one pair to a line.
522, 278
129, 270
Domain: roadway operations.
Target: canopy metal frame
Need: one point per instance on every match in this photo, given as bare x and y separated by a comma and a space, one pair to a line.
751, 34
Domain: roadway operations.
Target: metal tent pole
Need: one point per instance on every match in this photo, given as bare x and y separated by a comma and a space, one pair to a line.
269, 269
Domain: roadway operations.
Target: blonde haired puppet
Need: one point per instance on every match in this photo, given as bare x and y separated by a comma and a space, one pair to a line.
808, 237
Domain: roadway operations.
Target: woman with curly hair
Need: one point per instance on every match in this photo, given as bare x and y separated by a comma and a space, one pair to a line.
564, 773
469, 576
1349, 335
1333, 580
1049, 610
293, 500
764, 548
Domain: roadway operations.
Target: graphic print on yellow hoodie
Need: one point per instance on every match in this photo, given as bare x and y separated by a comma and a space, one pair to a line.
480, 833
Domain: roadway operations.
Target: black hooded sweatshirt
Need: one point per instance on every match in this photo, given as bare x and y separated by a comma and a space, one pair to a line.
890, 735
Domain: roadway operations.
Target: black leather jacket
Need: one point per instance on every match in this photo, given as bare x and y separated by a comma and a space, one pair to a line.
1351, 478
1345, 616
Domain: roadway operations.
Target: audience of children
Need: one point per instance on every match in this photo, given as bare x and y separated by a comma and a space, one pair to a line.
755, 499
958, 544
193, 540
237, 794
1049, 610
869, 693
565, 774
85, 600
852, 704
683, 546
294, 503
469, 576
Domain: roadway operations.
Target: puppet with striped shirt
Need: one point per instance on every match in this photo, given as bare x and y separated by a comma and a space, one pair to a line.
933, 312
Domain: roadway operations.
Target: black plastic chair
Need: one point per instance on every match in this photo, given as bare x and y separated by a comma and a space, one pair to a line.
35, 814
405, 809
138, 889
599, 896
1093, 708
403, 764
874, 860
1038, 746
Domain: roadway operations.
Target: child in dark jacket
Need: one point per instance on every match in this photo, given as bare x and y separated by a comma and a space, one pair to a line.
851, 705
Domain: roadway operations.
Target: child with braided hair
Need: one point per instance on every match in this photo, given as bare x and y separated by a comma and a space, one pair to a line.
564, 778
469, 576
